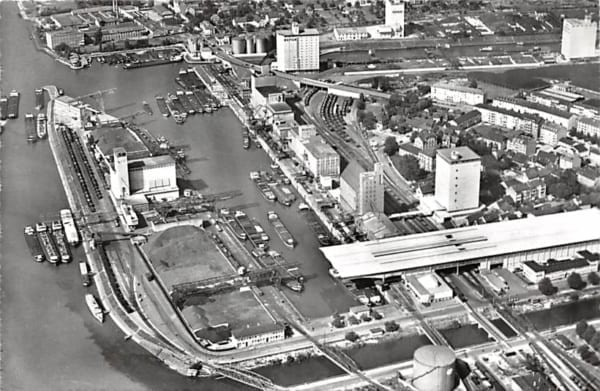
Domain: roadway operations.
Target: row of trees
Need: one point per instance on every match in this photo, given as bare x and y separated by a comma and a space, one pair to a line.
390, 327
574, 280
589, 334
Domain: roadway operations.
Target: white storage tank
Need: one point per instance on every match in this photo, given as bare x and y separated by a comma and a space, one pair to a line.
238, 45
434, 368
250, 45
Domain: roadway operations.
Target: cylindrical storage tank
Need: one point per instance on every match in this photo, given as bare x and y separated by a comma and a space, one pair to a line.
250, 46
434, 368
238, 45
261, 45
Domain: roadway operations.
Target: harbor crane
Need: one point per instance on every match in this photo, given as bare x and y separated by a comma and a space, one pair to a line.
98, 96
124, 119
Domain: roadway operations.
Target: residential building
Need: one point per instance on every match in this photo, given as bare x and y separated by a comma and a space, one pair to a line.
394, 16
457, 178
589, 126
362, 191
492, 137
594, 156
579, 38
257, 335
550, 133
557, 270
560, 117
408, 149
589, 177
429, 288
522, 192
350, 33
521, 144
453, 93
426, 141
587, 108
427, 160
509, 119
71, 37
569, 161
467, 120
297, 50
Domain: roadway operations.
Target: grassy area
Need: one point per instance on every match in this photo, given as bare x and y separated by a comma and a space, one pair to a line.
186, 254
238, 309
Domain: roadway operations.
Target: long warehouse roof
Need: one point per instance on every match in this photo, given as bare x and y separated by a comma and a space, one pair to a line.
430, 249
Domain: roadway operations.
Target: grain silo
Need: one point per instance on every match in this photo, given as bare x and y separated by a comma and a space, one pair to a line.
238, 45
250, 45
261, 45
434, 368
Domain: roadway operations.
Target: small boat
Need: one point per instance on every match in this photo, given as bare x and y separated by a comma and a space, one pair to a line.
30, 127
85, 276
39, 98
13, 104
246, 142
94, 307
42, 126
147, 108
3, 108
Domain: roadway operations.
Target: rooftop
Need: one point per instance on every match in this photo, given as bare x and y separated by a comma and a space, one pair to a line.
266, 90
458, 155
150, 162
534, 106
319, 148
486, 106
111, 137
302, 32
553, 266
259, 329
457, 87
279, 107
590, 121
351, 174
439, 248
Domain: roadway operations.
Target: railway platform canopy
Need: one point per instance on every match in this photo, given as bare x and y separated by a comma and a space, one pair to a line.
509, 243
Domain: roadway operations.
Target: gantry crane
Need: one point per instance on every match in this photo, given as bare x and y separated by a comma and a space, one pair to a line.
98, 96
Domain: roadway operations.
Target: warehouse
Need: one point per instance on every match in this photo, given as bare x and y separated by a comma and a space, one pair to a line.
506, 243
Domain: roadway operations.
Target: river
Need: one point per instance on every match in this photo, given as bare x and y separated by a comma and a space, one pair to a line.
49, 339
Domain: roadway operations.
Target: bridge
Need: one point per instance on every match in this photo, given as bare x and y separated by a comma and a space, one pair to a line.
332, 88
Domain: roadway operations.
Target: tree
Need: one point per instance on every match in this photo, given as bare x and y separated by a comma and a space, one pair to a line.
352, 336
589, 334
408, 166
575, 281
390, 146
473, 83
391, 326
581, 327
545, 286
593, 278
595, 341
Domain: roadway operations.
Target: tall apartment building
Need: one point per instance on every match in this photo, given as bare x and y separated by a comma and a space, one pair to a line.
457, 178
550, 133
297, 50
453, 93
589, 126
560, 117
579, 38
394, 16
361, 190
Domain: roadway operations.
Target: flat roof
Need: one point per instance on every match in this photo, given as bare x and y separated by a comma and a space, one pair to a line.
457, 87
534, 106
153, 161
280, 107
300, 33
392, 255
554, 265
319, 148
266, 90
516, 114
458, 155
109, 137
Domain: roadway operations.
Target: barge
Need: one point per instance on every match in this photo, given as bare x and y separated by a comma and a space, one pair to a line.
85, 275
69, 227
162, 106
3, 107
30, 128
33, 243
48, 246
61, 244
13, 104
283, 233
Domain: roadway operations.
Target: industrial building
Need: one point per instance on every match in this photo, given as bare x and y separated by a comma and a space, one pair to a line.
71, 37
318, 156
507, 243
394, 16
429, 288
579, 38
457, 179
559, 270
362, 191
71, 112
454, 93
244, 337
297, 50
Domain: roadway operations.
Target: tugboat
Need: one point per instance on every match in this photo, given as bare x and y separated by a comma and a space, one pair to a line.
94, 307
42, 126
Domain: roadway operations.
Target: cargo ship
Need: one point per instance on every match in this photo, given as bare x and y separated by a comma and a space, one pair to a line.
3, 108
34, 244
94, 307
39, 98
42, 126
13, 104
162, 106
47, 245
283, 233
61, 244
69, 227
30, 126
85, 275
